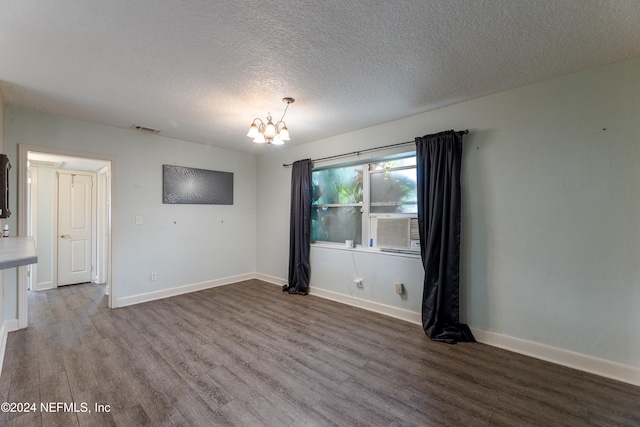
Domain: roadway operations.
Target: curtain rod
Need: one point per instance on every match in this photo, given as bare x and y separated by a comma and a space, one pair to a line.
461, 132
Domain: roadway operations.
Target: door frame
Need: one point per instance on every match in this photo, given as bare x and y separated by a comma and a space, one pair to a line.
23, 218
32, 269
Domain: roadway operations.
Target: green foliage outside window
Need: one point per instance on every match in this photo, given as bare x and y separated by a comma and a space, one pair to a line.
394, 186
339, 186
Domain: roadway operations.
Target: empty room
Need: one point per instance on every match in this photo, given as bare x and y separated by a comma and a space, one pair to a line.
298, 213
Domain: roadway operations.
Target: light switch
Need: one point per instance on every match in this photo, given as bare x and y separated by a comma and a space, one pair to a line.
138, 219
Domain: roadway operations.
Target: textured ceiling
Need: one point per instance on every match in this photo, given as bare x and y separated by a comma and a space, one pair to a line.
201, 70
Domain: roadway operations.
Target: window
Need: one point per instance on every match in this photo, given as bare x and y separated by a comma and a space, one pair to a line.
337, 200
344, 195
393, 186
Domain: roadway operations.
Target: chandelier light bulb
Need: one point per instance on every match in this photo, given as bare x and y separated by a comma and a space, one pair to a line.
270, 131
284, 134
253, 131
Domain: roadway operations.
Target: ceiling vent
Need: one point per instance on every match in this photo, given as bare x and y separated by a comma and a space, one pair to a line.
145, 129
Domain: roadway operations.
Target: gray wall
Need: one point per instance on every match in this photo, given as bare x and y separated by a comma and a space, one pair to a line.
551, 231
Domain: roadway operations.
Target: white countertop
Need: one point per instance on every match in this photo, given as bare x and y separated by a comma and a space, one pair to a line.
17, 251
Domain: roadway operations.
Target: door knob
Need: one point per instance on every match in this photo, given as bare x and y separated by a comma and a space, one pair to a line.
65, 236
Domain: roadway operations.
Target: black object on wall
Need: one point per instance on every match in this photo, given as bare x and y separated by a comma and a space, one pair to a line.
439, 160
5, 165
181, 185
300, 229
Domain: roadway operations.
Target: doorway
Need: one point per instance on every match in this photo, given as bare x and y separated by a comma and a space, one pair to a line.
64, 202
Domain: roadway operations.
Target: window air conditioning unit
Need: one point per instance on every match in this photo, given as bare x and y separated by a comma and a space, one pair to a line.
398, 234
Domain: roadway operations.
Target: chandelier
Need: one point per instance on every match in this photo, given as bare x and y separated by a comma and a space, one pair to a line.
270, 133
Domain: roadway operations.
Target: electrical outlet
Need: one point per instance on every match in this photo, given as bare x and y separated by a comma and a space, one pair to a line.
154, 276
399, 288
358, 283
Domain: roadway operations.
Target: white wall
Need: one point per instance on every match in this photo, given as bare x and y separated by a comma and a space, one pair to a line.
551, 233
44, 226
183, 244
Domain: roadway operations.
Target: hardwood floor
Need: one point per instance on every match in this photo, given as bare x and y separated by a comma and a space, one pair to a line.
247, 354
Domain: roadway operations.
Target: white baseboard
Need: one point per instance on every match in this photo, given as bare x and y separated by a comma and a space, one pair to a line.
44, 286
387, 310
271, 279
180, 290
570, 359
376, 307
7, 326
593, 365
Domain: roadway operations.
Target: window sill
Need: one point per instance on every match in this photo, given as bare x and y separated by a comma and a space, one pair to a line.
360, 248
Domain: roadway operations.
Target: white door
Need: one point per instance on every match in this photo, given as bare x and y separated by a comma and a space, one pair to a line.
74, 228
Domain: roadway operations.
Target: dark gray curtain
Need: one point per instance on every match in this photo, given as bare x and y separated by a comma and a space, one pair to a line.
300, 229
439, 159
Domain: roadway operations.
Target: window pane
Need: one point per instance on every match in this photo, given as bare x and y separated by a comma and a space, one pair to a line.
394, 191
340, 185
336, 224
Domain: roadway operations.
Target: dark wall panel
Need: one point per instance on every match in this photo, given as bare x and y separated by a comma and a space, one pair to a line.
182, 185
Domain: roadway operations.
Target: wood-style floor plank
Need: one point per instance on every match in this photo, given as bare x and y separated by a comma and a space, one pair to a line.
247, 354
